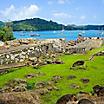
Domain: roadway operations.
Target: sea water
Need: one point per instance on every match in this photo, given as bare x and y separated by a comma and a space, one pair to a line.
68, 35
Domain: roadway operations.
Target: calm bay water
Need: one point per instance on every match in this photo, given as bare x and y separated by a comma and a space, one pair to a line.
69, 35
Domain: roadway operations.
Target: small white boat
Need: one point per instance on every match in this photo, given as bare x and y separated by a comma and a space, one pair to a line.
102, 32
54, 31
33, 35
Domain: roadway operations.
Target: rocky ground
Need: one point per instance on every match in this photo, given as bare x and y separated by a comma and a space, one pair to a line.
50, 79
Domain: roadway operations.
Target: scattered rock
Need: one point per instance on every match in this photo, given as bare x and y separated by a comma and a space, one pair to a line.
30, 76
100, 53
49, 61
16, 85
54, 61
43, 85
56, 78
67, 99
40, 85
55, 88
74, 86
82, 95
85, 80
35, 75
58, 62
71, 77
85, 101
71, 43
20, 98
99, 90
33, 60
50, 88
20, 88
42, 91
78, 63
50, 83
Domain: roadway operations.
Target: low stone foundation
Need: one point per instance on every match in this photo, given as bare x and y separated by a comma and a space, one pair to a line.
20, 51
23, 53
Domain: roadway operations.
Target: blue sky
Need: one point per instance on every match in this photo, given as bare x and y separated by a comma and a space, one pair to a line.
62, 11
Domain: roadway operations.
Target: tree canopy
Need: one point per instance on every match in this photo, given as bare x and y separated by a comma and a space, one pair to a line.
6, 32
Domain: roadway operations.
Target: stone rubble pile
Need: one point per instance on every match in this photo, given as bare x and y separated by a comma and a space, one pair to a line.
20, 98
16, 85
84, 97
30, 51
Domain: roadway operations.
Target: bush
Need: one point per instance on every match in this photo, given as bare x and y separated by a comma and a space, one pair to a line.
6, 33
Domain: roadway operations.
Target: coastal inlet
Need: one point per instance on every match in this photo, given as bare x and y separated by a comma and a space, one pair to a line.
68, 35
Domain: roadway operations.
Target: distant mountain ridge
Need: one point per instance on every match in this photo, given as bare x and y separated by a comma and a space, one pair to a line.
37, 24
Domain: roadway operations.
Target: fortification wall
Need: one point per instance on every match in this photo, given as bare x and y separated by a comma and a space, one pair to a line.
23, 53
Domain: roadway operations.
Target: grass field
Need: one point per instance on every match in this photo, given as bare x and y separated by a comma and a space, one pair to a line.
94, 72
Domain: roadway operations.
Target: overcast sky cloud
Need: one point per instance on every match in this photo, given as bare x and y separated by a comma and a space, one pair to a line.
62, 15
82, 17
61, 1
64, 1
13, 13
50, 2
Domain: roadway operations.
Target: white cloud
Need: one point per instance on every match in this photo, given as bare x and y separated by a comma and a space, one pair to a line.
83, 17
63, 1
14, 13
62, 15
50, 2
58, 1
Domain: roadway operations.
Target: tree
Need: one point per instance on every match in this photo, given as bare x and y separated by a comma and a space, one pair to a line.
6, 32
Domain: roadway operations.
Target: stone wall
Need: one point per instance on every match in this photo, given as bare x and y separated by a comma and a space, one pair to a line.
91, 43
20, 53
23, 53
72, 50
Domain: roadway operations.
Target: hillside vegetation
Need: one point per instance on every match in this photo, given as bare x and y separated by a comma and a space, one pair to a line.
38, 24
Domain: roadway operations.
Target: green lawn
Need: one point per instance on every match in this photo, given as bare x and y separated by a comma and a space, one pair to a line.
95, 72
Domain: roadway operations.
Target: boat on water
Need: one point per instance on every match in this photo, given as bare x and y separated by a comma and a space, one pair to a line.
62, 31
82, 32
54, 31
102, 32
33, 35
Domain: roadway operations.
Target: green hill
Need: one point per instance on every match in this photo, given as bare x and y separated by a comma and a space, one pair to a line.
36, 24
